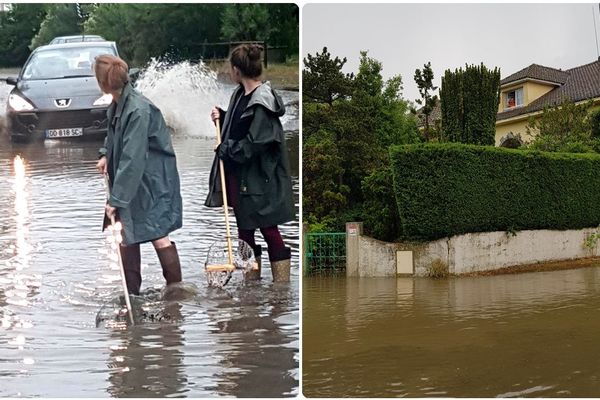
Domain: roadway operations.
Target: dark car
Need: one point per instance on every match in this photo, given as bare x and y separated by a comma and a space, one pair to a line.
76, 38
56, 94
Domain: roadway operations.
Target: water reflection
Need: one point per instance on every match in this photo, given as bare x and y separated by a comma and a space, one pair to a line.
21, 211
17, 285
254, 325
513, 336
147, 360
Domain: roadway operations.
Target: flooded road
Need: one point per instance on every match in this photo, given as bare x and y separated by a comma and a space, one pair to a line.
524, 335
55, 279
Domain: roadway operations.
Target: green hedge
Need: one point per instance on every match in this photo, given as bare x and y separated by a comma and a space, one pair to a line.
450, 189
379, 209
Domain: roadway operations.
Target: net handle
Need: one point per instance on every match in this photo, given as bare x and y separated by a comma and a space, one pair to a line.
224, 192
121, 267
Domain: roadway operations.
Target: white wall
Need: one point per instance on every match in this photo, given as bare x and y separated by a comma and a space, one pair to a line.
474, 252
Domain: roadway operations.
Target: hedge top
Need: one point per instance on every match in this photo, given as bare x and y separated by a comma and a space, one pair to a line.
449, 189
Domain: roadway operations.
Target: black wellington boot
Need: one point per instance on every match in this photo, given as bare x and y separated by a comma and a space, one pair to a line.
130, 255
169, 261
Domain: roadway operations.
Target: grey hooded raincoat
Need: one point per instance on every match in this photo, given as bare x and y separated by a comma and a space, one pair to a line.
142, 169
261, 163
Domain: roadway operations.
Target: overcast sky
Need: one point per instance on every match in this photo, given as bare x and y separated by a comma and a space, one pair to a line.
405, 36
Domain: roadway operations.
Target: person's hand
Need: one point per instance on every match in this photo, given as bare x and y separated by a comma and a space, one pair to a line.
110, 211
215, 114
101, 165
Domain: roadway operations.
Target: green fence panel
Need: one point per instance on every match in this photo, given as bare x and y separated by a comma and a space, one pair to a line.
325, 253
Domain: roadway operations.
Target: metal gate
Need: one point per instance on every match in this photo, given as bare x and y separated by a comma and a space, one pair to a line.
325, 253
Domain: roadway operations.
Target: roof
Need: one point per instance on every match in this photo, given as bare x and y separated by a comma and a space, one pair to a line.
435, 115
579, 84
75, 45
539, 72
82, 37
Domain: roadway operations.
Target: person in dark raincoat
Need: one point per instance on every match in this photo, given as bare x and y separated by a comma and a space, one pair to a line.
256, 162
144, 183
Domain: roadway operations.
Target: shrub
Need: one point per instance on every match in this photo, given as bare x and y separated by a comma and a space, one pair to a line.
380, 212
469, 104
449, 189
595, 122
564, 127
438, 269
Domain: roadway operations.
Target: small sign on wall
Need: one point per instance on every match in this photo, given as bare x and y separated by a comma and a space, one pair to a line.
352, 229
404, 262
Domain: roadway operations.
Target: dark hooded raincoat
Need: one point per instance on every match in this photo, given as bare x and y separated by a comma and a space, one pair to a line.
260, 160
144, 182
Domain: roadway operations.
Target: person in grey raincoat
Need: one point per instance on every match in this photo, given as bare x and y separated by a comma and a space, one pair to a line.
144, 183
256, 162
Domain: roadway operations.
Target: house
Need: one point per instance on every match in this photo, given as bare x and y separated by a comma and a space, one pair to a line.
525, 93
435, 116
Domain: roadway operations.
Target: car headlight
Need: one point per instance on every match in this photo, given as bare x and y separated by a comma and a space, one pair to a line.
105, 100
18, 103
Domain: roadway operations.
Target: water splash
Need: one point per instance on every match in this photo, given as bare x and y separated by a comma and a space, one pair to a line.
185, 94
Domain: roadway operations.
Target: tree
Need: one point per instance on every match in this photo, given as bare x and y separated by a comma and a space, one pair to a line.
61, 19
285, 20
246, 22
114, 22
18, 26
469, 101
424, 80
368, 79
143, 31
275, 24
323, 80
348, 124
321, 170
565, 127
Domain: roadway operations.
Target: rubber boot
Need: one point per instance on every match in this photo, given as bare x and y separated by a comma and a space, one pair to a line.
169, 261
254, 275
130, 255
280, 265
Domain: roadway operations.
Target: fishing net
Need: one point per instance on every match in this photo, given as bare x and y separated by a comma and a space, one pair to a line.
243, 259
114, 314
149, 307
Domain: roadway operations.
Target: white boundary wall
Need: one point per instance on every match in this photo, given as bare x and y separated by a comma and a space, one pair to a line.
463, 254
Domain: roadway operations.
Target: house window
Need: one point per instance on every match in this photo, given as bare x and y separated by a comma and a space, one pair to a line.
514, 98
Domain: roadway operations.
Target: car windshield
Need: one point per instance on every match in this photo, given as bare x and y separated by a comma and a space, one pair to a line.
63, 63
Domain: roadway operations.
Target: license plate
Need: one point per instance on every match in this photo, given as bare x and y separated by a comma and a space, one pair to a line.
61, 133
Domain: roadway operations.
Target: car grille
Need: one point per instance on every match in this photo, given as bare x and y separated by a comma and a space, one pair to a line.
64, 119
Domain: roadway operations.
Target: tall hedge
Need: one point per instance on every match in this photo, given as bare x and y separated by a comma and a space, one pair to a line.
469, 101
449, 189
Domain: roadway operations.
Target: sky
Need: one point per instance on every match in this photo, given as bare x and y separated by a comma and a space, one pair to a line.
406, 36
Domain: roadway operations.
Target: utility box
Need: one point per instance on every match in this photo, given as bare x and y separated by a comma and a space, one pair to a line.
404, 263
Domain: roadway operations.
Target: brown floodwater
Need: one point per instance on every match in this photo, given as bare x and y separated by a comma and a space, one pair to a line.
523, 335
56, 281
